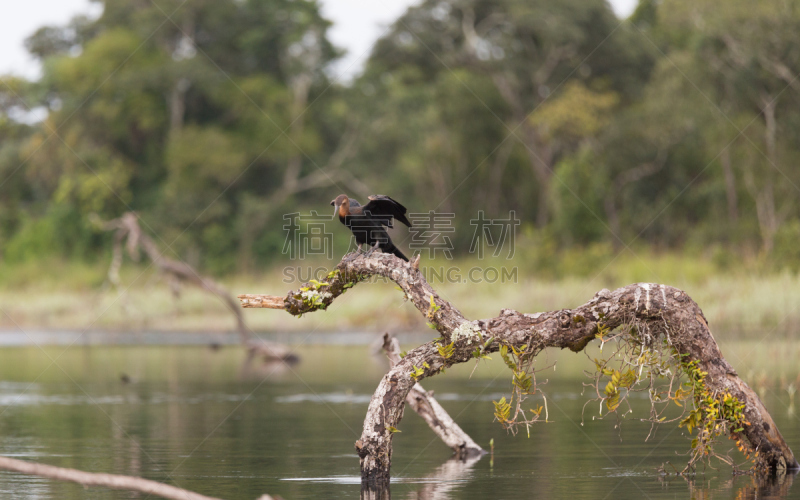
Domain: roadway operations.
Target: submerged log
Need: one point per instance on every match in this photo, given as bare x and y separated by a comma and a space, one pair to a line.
113, 481
659, 312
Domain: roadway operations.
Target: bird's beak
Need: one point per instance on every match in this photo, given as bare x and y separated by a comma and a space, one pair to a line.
335, 209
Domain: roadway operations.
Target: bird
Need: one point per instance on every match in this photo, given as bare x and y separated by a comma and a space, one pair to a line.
368, 222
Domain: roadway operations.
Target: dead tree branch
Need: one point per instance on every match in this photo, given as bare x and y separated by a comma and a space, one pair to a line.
437, 418
660, 313
127, 229
113, 481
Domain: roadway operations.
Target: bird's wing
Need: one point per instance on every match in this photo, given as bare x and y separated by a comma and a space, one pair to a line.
382, 208
354, 203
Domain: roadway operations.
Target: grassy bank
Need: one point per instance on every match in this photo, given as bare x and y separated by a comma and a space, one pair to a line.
747, 301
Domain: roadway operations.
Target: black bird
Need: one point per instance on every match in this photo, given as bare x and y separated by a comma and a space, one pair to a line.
367, 222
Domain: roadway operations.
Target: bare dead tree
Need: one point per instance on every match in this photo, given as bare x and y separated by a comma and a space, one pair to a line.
126, 229
655, 315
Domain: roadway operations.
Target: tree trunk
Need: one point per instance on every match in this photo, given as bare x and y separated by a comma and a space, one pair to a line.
658, 312
730, 186
177, 98
765, 201
624, 178
494, 190
177, 105
437, 418
540, 156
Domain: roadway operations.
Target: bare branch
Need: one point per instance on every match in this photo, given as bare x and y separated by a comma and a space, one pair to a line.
261, 301
432, 412
128, 227
113, 481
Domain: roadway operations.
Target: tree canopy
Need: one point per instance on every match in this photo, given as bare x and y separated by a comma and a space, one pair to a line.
213, 119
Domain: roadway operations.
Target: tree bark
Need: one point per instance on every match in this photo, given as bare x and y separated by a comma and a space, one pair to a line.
660, 312
437, 418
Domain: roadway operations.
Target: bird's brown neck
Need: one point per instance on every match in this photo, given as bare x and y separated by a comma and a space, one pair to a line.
344, 211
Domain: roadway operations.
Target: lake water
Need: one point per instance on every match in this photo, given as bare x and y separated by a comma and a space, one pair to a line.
200, 419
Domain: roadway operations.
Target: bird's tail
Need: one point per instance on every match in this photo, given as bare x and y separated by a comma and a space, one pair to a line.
390, 248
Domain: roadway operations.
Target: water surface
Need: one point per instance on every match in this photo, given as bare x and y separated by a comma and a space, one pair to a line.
198, 418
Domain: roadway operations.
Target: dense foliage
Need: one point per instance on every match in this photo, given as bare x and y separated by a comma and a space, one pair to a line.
213, 119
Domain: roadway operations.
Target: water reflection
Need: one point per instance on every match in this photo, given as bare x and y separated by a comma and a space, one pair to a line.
451, 479
773, 487
437, 485
257, 369
212, 423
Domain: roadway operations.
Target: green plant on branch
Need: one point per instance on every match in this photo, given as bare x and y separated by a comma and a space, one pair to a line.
431, 314
641, 363
418, 371
445, 351
509, 412
713, 415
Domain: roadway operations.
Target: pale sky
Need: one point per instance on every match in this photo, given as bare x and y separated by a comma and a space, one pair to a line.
357, 24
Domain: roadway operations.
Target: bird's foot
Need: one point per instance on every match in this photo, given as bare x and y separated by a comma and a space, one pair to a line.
371, 250
355, 253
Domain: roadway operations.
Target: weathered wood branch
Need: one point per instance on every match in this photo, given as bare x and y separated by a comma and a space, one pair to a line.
356, 268
126, 228
113, 481
437, 418
659, 312
262, 301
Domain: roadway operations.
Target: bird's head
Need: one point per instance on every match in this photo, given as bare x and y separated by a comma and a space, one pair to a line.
341, 205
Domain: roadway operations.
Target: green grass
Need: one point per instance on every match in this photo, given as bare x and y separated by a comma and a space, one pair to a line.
746, 301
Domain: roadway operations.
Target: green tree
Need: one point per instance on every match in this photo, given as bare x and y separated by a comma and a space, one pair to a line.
196, 115
527, 51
